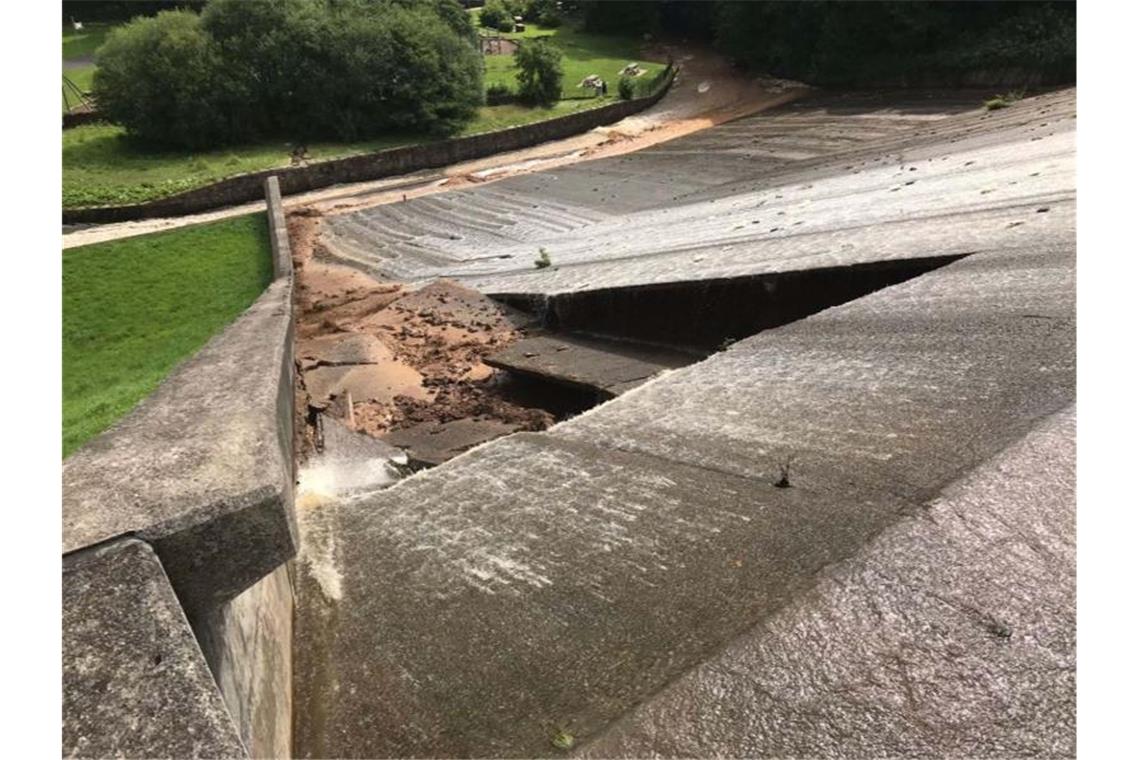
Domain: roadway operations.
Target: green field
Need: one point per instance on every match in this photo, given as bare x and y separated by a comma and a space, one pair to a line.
583, 54
134, 308
102, 166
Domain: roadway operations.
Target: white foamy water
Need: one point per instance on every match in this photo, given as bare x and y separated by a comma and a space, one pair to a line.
322, 485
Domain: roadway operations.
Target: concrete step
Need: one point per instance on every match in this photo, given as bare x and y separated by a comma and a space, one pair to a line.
608, 367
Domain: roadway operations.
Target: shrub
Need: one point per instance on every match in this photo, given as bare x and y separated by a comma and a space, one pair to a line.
625, 88
539, 65
299, 69
498, 94
1004, 101
156, 76
495, 15
543, 12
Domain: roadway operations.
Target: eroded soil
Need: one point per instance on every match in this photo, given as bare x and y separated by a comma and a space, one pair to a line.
383, 357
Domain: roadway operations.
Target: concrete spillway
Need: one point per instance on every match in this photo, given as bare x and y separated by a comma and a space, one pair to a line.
633, 582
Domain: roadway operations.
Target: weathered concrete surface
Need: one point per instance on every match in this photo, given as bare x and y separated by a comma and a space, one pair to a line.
606, 366
278, 231
202, 468
859, 186
951, 635
553, 582
248, 643
135, 683
900, 387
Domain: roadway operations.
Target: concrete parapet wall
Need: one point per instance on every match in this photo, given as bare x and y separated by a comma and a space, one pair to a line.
202, 472
249, 187
135, 683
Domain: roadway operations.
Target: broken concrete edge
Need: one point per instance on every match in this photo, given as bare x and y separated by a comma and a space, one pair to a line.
130, 655
201, 474
278, 231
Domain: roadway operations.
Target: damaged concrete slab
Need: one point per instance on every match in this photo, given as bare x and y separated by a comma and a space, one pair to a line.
608, 367
550, 583
134, 678
431, 443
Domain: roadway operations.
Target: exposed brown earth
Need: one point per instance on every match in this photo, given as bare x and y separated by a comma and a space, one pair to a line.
381, 357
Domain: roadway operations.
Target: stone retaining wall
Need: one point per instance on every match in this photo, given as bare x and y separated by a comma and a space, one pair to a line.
249, 187
202, 472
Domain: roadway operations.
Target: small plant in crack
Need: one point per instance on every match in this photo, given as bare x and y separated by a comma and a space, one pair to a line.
785, 467
725, 344
562, 739
543, 260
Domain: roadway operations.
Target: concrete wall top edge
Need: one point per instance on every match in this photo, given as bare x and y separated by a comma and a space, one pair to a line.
128, 652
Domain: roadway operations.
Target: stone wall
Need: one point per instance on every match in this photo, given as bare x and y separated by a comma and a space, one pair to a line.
201, 475
249, 187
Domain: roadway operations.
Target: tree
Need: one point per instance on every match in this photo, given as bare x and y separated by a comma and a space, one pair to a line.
299, 69
156, 73
495, 15
539, 65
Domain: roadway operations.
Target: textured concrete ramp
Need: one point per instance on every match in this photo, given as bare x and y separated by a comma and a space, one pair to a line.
828, 181
952, 634
553, 582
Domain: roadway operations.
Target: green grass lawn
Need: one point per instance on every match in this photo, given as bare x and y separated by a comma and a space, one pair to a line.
583, 54
102, 166
134, 308
84, 44
81, 46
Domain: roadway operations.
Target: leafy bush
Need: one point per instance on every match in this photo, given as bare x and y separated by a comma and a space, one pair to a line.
499, 94
495, 15
300, 69
1003, 101
625, 88
156, 76
539, 65
543, 12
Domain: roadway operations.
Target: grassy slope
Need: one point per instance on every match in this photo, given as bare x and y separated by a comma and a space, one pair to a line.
134, 308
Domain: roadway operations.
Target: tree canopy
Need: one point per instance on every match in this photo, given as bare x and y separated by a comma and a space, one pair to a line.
300, 69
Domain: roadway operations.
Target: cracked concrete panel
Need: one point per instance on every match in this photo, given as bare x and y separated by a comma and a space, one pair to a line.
135, 683
902, 387
952, 634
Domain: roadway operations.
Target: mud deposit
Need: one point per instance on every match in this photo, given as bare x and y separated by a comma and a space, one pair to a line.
383, 357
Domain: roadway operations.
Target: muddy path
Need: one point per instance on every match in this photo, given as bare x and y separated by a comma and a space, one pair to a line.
706, 91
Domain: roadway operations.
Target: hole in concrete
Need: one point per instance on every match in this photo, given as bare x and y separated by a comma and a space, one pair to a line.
703, 315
